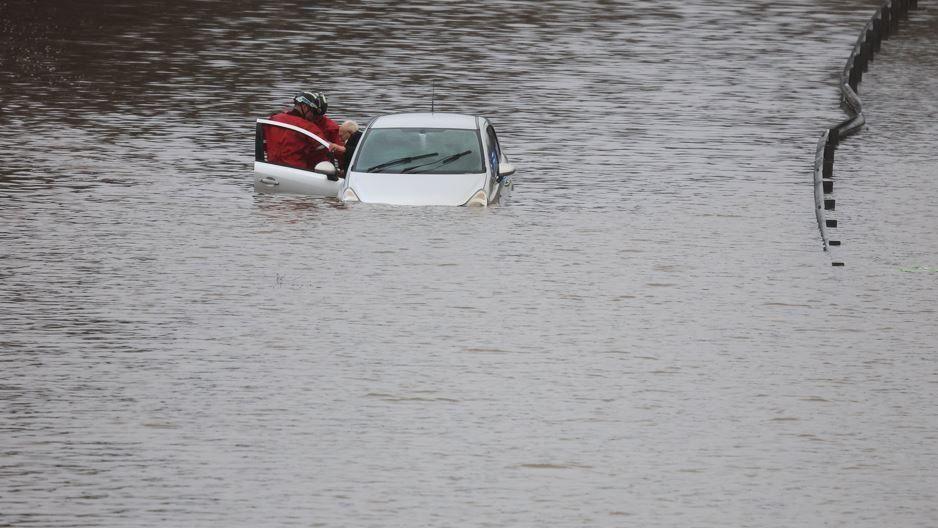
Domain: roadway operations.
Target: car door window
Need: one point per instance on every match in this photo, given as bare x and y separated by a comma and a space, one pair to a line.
495, 153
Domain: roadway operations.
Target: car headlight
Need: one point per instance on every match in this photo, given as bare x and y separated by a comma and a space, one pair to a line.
349, 196
479, 198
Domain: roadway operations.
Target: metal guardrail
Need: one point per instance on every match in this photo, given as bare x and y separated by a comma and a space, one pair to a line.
883, 24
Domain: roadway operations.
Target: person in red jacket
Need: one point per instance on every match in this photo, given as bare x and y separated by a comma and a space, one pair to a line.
317, 101
293, 148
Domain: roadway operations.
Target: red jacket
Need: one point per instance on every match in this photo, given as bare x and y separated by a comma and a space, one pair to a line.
292, 148
329, 128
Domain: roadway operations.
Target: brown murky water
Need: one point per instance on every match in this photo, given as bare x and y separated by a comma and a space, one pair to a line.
646, 334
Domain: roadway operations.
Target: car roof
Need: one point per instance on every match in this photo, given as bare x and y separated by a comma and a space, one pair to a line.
426, 120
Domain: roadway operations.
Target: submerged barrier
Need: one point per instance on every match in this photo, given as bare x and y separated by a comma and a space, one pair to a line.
883, 24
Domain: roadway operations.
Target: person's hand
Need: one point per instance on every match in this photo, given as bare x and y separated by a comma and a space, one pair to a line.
336, 148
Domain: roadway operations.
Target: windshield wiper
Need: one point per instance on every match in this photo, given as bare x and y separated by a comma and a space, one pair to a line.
441, 162
406, 159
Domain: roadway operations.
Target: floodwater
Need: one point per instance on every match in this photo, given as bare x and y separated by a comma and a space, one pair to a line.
647, 333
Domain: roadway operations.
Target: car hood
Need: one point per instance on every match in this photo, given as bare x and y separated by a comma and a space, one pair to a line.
415, 189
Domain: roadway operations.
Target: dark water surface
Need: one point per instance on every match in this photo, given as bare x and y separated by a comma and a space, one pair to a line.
646, 334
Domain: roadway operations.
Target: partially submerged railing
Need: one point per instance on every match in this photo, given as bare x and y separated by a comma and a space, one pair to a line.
883, 24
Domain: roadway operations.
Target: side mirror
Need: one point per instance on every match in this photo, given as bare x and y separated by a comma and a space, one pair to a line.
324, 167
505, 169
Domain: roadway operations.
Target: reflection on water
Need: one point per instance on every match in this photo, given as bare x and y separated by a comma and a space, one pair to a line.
646, 332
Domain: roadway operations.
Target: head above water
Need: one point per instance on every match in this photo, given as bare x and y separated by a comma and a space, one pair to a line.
346, 129
315, 102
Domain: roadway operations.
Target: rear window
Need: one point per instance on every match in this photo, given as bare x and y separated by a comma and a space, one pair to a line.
420, 150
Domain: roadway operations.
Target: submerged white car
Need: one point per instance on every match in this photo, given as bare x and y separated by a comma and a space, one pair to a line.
404, 159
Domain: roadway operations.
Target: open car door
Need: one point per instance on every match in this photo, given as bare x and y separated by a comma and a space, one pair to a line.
278, 178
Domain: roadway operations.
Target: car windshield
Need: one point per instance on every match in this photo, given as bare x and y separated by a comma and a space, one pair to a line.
420, 150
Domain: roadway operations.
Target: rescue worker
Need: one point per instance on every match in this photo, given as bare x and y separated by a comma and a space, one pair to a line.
317, 101
297, 150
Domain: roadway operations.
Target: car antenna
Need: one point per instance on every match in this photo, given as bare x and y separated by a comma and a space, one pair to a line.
432, 94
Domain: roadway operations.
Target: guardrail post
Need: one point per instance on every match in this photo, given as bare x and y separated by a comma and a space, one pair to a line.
877, 34
855, 77
827, 160
867, 47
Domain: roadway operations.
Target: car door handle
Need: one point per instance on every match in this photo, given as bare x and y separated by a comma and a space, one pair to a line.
267, 180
